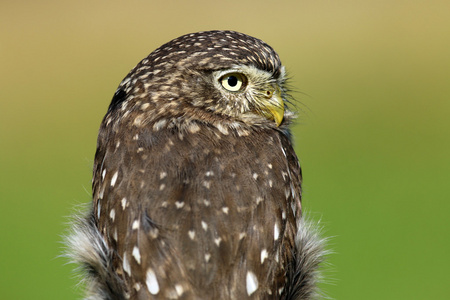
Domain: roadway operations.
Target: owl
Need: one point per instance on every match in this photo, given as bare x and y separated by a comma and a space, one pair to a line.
196, 185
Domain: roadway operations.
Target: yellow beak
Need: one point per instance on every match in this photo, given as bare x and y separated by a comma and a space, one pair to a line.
272, 106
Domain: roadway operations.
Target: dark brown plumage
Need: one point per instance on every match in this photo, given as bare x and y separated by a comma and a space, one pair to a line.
196, 188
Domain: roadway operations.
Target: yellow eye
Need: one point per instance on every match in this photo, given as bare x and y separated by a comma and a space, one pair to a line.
233, 82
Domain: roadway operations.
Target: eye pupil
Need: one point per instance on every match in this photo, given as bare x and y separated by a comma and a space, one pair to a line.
232, 81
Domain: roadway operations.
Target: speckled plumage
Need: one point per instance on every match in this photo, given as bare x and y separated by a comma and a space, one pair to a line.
196, 188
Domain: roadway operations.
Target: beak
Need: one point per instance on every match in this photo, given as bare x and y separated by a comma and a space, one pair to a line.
272, 105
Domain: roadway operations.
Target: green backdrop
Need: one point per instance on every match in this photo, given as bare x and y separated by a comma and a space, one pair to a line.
373, 80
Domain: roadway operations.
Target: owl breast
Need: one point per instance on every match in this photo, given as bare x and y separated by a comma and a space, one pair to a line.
209, 207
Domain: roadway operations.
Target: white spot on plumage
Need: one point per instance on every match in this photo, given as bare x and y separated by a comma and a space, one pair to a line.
154, 233
242, 235
137, 286
207, 257
125, 82
206, 202
207, 184
191, 234
251, 282
115, 234
193, 128
126, 264
284, 152
137, 254
179, 204
255, 176
283, 215
136, 137
99, 207
179, 289
242, 132
217, 241
124, 203
209, 173
270, 183
114, 178
140, 149
152, 282
138, 121
204, 226
287, 193
168, 145
159, 124
258, 200
145, 106
225, 210
222, 129
135, 224
112, 214
103, 174
264, 255
162, 175
276, 232
102, 191
162, 186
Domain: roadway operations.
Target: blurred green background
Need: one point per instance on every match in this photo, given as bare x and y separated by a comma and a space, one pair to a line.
373, 78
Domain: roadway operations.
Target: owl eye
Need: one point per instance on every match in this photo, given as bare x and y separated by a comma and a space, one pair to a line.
233, 82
